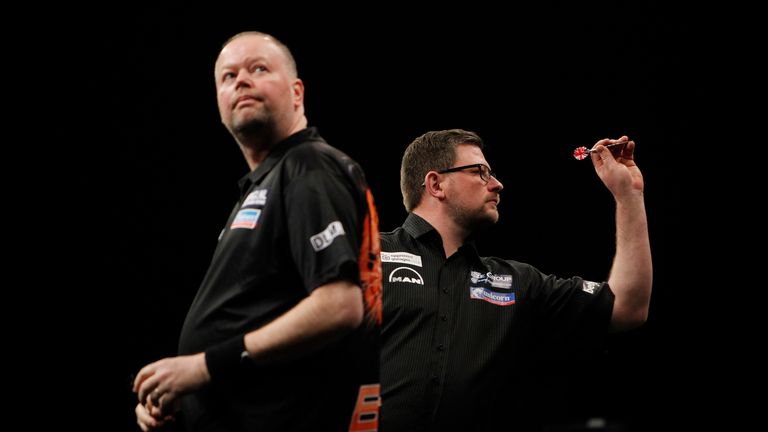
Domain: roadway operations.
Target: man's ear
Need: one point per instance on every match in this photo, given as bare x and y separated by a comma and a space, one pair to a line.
298, 92
433, 185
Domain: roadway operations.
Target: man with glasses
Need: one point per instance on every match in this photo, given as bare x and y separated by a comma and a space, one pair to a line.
459, 328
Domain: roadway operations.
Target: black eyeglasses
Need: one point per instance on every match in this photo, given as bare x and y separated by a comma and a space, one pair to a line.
483, 170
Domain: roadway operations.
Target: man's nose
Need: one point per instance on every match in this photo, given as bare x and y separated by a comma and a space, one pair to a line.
243, 78
495, 185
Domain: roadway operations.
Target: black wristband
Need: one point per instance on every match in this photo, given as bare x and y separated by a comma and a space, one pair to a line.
223, 360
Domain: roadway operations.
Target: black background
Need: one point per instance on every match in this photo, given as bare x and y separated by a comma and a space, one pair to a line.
152, 172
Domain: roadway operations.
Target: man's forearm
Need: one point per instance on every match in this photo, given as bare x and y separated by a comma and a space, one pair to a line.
632, 272
329, 313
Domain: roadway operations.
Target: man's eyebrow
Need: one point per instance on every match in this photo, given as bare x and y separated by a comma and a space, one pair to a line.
247, 60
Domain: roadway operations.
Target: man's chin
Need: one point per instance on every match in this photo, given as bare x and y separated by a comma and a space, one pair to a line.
491, 216
486, 221
249, 126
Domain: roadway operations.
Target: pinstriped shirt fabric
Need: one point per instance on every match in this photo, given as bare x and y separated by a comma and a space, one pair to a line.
459, 334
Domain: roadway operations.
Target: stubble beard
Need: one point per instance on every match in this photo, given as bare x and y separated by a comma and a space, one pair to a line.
474, 220
253, 124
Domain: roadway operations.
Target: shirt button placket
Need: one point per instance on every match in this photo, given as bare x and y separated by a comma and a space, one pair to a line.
444, 304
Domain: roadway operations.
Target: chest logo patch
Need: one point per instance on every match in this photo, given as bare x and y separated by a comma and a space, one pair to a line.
401, 257
246, 218
503, 281
256, 198
500, 299
407, 275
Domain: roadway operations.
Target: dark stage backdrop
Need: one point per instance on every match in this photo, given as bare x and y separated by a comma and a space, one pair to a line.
155, 172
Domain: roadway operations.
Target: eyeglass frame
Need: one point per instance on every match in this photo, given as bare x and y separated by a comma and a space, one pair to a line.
483, 169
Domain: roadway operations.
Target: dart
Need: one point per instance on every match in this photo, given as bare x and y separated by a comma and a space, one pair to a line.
582, 152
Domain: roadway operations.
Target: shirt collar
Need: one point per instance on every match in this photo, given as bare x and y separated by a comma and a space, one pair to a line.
277, 152
418, 227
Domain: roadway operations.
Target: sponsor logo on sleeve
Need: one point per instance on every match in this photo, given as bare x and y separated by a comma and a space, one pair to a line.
256, 198
500, 299
401, 257
246, 218
324, 238
407, 275
589, 287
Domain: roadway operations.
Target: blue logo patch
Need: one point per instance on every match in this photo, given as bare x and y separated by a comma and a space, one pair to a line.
501, 299
246, 219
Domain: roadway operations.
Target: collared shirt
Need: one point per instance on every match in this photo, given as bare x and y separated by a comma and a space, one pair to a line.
297, 226
458, 332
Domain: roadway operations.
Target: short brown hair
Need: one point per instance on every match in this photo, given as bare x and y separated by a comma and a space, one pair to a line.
435, 150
